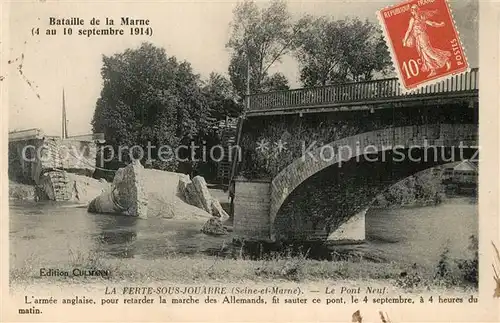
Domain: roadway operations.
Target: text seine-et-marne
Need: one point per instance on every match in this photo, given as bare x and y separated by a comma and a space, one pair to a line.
75, 21
174, 290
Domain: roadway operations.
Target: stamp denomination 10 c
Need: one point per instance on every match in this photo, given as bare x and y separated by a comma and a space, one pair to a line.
423, 41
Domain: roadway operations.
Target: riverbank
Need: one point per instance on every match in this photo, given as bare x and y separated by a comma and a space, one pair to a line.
445, 199
199, 268
187, 269
21, 192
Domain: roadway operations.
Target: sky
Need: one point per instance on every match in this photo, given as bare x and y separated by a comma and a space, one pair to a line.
194, 31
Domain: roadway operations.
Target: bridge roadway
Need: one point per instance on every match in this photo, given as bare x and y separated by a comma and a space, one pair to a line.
383, 93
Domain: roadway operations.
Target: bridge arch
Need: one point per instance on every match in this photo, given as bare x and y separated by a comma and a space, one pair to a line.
462, 136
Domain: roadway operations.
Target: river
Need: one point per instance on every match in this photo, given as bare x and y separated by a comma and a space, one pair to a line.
55, 233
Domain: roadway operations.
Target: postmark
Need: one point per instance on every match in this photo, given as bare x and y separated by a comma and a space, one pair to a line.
423, 41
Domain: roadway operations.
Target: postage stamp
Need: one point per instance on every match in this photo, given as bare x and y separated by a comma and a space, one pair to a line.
423, 40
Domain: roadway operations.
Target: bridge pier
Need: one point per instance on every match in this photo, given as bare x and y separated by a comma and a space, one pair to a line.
352, 231
252, 218
251, 209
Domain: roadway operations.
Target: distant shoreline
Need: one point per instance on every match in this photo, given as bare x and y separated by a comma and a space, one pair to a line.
446, 200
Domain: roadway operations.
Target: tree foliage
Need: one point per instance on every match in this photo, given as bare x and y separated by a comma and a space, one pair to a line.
466, 13
330, 51
259, 38
221, 97
149, 97
424, 188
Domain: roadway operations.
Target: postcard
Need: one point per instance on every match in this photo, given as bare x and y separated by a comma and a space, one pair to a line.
250, 161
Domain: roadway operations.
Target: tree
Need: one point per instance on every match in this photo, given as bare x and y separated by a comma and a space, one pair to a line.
466, 13
259, 38
221, 97
149, 97
275, 82
332, 51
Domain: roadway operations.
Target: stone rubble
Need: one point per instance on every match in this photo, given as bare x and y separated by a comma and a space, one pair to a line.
214, 227
196, 193
126, 195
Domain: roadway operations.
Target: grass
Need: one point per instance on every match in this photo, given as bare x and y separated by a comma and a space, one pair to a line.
199, 268
18, 191
186, 269
234, 264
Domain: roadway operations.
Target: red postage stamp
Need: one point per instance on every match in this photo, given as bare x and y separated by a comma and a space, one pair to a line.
423, 41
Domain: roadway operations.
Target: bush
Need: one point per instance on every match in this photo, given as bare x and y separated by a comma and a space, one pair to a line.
409, 279
459, 271
469, 268
19, 191
444, 271
423, 188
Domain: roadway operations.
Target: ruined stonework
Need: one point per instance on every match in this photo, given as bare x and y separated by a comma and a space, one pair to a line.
126, 196
182, 186
353, 230
54, 184
218, 211
214, 227
195, 192
48, 170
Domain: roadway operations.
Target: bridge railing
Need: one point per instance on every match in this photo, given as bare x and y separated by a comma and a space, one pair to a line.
25, 134
375, 90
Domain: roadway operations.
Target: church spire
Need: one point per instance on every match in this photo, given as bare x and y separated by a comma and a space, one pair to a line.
64, 119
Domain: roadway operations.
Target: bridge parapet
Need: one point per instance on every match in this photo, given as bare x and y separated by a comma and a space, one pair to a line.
26, 134
365, 92
42, 160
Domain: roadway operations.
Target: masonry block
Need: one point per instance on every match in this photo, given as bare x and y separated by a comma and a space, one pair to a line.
251, 210
353, 230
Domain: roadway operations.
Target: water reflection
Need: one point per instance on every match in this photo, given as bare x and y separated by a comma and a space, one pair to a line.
117, 236
421, 234
54, 233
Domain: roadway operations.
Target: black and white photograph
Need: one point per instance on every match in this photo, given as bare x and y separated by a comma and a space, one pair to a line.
249, 161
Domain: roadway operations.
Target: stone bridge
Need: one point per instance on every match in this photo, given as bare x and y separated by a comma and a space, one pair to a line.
41, 160
314, 159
